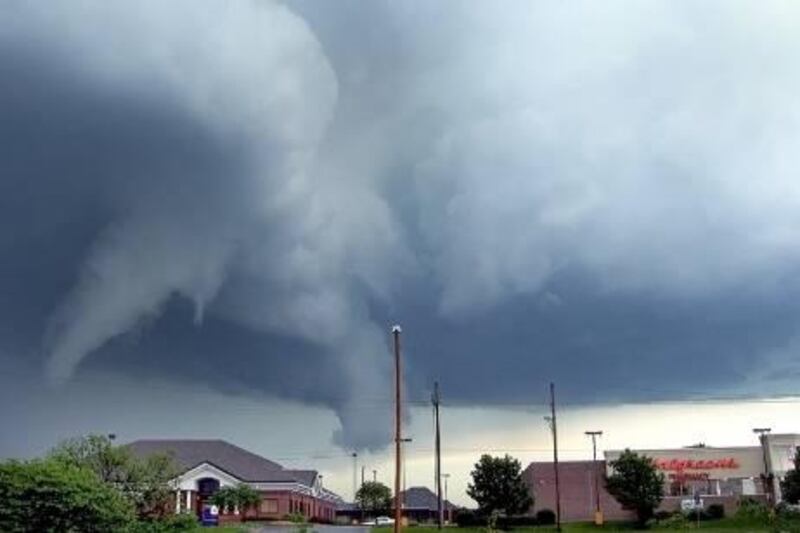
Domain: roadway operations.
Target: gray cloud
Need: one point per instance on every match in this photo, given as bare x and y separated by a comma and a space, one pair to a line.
537, 192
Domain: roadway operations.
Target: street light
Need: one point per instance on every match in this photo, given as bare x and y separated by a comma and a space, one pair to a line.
762, 437
598, 514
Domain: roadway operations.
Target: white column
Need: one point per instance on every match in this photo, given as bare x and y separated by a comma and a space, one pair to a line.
188, 500
178, 501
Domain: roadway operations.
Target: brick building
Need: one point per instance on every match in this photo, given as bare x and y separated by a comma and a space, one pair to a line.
576, 483
208, 465
715, 475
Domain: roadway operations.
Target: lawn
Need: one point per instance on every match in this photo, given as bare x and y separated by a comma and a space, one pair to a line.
717, 526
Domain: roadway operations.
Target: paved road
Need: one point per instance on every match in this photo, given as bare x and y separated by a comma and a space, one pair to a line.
315, 528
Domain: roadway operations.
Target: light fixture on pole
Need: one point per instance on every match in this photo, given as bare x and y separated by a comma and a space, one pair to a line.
598, 513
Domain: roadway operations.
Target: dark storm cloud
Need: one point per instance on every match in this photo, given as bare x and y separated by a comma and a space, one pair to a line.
247, 195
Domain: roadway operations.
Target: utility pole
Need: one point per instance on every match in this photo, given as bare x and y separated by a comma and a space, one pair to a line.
375, 476
397, 428
554, 429
438, 462
404, 500
598, 514
363, 467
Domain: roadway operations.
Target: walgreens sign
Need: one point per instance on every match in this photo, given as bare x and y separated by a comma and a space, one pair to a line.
679, 465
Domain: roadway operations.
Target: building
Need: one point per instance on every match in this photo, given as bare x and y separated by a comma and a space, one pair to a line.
421, 505
780, 452
716, 475
207, 465
576, 483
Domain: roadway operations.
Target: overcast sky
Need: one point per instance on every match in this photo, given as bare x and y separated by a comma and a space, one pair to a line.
236, 200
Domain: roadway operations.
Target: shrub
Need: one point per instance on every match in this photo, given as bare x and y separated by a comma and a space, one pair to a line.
663, 515
716, 511
675, 521
296, 518
545, 517
52, 496
467, 518
751, 510
697, 514
788, 511
510, 522
171, 524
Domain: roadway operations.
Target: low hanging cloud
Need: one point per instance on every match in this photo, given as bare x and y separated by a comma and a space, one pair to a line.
566, 191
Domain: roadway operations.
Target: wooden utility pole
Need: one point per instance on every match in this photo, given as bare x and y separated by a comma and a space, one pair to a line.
398, 515
438, 462
555, 452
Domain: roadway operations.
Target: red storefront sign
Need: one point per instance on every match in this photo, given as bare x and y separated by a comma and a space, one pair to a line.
679, 465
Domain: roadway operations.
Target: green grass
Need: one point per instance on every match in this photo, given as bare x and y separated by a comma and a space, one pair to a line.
717, 526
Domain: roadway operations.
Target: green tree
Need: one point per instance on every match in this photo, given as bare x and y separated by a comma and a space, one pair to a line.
242, 496
636, 484
52, 496
143, 481
374, 497
497, 486
790, 486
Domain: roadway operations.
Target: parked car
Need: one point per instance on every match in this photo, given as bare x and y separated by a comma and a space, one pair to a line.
380, 521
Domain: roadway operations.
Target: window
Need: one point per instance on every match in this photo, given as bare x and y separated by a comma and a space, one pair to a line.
269, 506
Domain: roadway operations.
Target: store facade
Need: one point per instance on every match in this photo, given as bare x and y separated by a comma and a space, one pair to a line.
722, 475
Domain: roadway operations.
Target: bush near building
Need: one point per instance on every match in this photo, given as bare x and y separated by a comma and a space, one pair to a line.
49, 495
87, 485
497, 486
636, 484
545, 517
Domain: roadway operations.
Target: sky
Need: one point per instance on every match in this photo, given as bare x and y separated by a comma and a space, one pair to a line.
215, 207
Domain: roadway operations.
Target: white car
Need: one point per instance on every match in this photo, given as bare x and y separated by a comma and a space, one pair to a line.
380, 521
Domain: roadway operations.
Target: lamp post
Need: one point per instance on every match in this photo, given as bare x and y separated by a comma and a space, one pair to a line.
396, 330
762, 437
598, 514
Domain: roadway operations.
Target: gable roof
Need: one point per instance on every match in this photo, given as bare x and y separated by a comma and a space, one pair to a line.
422, 498
236, 461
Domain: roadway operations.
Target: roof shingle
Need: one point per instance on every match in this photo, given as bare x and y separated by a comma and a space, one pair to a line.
238, 462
